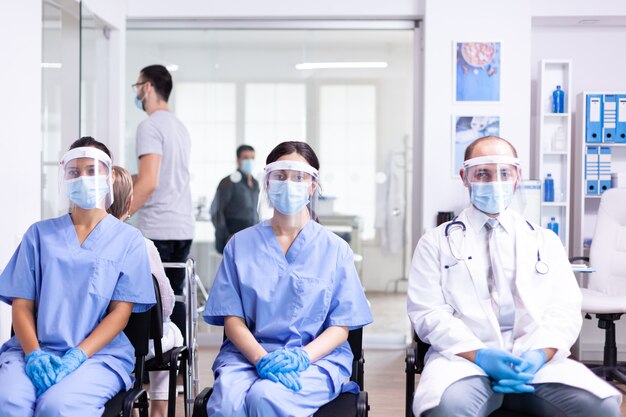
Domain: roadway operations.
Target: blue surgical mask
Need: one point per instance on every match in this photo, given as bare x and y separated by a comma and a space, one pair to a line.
492, 197
247, 166
83, 191
289, 197
139, 103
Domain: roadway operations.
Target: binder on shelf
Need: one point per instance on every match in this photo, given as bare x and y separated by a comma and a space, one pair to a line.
609, 117
620, 129
604, 169
593, 118
591, 170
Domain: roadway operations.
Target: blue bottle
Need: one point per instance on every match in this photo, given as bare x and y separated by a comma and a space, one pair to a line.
558, 100
553, 225
548, 188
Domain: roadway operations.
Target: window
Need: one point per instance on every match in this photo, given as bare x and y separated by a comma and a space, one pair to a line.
347, 126
274, 113
208, 110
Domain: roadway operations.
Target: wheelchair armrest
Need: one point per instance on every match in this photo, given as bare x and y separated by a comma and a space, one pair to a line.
129, 399
362, 406
199, 404
578, 258
411, 370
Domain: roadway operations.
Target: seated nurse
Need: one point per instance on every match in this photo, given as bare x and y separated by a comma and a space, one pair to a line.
287, 293
72, 284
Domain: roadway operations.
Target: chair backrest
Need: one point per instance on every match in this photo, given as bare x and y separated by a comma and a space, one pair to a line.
138, 331
355, 339
608, 247
156, 322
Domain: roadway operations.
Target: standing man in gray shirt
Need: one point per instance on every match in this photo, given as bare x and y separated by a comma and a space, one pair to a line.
162, 195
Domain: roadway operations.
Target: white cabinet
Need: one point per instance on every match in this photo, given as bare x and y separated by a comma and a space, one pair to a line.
553, 142
610, 152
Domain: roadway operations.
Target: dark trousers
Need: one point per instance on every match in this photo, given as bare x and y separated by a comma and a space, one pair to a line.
175, 251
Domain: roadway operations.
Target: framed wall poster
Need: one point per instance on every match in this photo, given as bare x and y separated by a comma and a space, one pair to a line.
477, 71
465, 130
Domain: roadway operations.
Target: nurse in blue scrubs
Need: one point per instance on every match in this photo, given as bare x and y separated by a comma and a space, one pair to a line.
72, 284
287, 293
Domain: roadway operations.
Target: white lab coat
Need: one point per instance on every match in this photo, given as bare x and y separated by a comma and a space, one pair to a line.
450, 308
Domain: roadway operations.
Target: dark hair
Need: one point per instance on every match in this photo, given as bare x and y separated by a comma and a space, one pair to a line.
88, 141
470, 148
244, 148
122, 192
160, 78
301, 148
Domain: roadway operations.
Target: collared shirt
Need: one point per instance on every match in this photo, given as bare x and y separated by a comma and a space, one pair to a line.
505, 236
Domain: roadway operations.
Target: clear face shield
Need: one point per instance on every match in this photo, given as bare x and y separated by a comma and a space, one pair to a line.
290, 192
492, 181
85, 178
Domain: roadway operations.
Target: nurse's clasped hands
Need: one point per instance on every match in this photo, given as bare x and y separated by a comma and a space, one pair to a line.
533, 360
41, 369
284, 366
72, 359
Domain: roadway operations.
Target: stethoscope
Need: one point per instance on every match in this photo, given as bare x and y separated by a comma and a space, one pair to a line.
541, 267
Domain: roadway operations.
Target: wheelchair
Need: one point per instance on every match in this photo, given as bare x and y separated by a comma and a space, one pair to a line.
190, 297
346, 404
415, 354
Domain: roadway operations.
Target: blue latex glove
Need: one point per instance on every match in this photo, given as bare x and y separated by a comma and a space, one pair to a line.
284, 360
290, 379
499, 365
262, 367
41, 369
512, 386
72, 359
533, 361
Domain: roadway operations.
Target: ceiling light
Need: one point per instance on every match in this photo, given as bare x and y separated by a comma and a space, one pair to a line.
588, 22
55, 65
172, 67
328, 65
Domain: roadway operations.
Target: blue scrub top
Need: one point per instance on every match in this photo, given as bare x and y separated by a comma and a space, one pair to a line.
288, 300
73, 285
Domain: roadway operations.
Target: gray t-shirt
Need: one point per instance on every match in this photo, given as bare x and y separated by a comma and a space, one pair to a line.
167, 215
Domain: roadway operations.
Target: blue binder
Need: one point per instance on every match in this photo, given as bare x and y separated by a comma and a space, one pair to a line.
593, 118
620, 129
604, 169
591, 170
609, 117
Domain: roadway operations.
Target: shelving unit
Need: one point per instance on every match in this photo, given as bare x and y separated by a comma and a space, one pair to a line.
553, 142
585, 207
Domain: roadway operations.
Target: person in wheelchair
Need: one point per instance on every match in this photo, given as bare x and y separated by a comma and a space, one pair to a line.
72, 284
287, 293
495, 297
159, 380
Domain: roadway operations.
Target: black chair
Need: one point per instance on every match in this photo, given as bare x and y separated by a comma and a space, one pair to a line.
173, 360
415, 355
346, 404
138, 332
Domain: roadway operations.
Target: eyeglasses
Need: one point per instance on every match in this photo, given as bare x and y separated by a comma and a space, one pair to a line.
134, 86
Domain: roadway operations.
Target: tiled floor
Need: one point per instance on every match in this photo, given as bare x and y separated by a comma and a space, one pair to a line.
384, 357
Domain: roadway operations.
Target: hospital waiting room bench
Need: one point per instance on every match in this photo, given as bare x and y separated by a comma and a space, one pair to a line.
415, 354
345, 405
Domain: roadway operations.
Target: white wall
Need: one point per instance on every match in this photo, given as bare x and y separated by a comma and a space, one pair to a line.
20, 135
445, 23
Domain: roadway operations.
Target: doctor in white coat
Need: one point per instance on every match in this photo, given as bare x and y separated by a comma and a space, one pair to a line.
496, 299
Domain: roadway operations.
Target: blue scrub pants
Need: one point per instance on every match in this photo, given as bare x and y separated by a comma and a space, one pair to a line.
239, 392
473, 397
82, 393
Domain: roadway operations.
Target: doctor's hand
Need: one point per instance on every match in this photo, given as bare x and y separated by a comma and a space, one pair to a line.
533, 361
72, 359
499, 365
511, 386
41, 369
